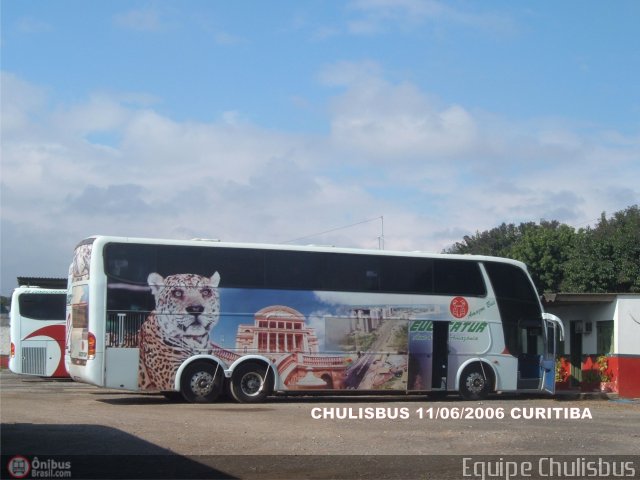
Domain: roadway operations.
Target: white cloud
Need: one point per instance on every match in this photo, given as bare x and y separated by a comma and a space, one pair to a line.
434, 171
143, 20
347, 74
101, 113
225, 38
382, 119
19, 100
376, 16
33, 25
379, 17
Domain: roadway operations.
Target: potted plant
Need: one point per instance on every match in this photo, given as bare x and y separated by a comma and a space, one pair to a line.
562, 373
590, 380
606, 378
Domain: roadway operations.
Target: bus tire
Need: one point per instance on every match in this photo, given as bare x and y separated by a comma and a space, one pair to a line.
202, 382
476, 382
251, 382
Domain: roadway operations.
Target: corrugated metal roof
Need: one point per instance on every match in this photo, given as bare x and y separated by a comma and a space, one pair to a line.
578, 298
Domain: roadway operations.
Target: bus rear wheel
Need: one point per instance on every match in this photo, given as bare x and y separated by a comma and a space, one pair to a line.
202, 382
475, 382
251, 383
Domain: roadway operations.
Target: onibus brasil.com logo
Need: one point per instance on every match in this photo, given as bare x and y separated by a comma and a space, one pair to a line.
22, 467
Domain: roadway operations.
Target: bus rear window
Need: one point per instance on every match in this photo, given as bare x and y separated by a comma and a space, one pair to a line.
42, 306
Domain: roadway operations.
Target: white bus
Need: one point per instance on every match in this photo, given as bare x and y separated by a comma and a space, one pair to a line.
195, 317
37, 330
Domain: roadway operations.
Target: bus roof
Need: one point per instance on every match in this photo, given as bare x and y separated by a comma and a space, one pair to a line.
103, 239
35, 289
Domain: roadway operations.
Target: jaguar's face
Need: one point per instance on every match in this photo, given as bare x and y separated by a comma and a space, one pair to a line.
187, 305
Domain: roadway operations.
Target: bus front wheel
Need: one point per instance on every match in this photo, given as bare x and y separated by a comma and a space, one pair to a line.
202, 382
251, 383
475, 382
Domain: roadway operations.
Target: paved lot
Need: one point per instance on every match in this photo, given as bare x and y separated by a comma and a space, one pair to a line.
282, 439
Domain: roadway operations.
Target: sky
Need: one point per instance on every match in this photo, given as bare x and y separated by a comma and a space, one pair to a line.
401, 124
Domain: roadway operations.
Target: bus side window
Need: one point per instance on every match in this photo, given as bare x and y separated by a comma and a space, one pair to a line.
352, 273
407, 275
293, 270
458, 277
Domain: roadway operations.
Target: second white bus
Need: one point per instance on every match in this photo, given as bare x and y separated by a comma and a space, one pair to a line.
37, 330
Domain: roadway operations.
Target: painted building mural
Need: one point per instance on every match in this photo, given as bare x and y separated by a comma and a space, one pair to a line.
315, 343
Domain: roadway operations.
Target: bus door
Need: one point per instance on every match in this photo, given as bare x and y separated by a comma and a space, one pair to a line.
440, 356
536, 362
531, 356
554, 327
428, 355
549, 361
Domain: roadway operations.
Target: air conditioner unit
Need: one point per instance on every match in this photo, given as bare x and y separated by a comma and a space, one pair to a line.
588, 327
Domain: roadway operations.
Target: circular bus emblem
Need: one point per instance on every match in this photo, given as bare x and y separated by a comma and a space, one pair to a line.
18, 467
459, 307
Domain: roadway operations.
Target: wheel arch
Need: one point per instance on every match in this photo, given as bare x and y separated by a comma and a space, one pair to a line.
484, 364
259, 359
207, 358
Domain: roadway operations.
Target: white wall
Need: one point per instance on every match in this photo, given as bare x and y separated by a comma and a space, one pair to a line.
592, 312
622, 311
627, 316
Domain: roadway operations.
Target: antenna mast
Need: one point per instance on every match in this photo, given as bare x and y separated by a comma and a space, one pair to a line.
381, 237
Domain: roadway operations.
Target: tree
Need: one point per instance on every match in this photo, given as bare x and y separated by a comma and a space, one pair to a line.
545, 249
496, 242
605, 258
4, 304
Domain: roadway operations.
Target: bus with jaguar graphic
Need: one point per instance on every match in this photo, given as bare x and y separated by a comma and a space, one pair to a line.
197, 318
37, 331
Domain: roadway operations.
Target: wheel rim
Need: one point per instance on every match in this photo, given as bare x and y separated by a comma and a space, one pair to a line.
475, 382
251, 384
201, 384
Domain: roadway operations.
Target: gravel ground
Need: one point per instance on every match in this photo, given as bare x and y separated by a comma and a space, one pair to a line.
283, 439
